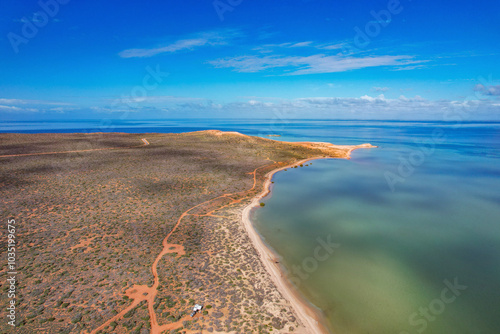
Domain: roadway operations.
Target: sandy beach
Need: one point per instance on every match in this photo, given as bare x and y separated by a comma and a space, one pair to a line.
311, 319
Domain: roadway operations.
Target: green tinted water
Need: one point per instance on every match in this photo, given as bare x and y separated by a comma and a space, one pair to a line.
424, 258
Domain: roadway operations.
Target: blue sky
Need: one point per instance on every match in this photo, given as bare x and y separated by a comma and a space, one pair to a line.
249, 58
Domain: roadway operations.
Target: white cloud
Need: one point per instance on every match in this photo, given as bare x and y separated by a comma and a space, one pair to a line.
32, 102
5, 108
311, 44
333, 46
12, 101
409, 68
9, 108
320, 63
20, 105
155, 99
380, 89
381, 97
260, 103
202, 39
301, 44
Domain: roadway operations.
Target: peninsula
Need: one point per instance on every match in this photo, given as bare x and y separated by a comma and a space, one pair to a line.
125, 233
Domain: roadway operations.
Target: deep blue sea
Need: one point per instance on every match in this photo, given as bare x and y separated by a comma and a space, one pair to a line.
404, 238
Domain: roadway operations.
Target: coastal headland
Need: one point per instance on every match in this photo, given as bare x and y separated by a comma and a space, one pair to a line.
124, 233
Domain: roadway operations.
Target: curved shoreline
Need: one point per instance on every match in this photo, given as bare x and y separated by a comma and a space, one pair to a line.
309, 317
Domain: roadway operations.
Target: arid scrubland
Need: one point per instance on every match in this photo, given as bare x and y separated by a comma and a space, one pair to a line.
91, 224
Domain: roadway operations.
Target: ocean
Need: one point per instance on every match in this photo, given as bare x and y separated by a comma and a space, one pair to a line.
412, 228
403, 238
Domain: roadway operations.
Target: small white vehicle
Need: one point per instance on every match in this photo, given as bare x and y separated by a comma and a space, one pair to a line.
196, 308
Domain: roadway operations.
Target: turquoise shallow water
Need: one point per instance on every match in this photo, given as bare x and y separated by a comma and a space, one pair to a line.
415, 228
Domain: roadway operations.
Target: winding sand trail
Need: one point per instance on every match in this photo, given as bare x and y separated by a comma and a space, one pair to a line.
144, 140
139, 293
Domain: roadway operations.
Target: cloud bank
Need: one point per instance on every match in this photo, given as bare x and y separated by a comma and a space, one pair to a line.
363, 107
